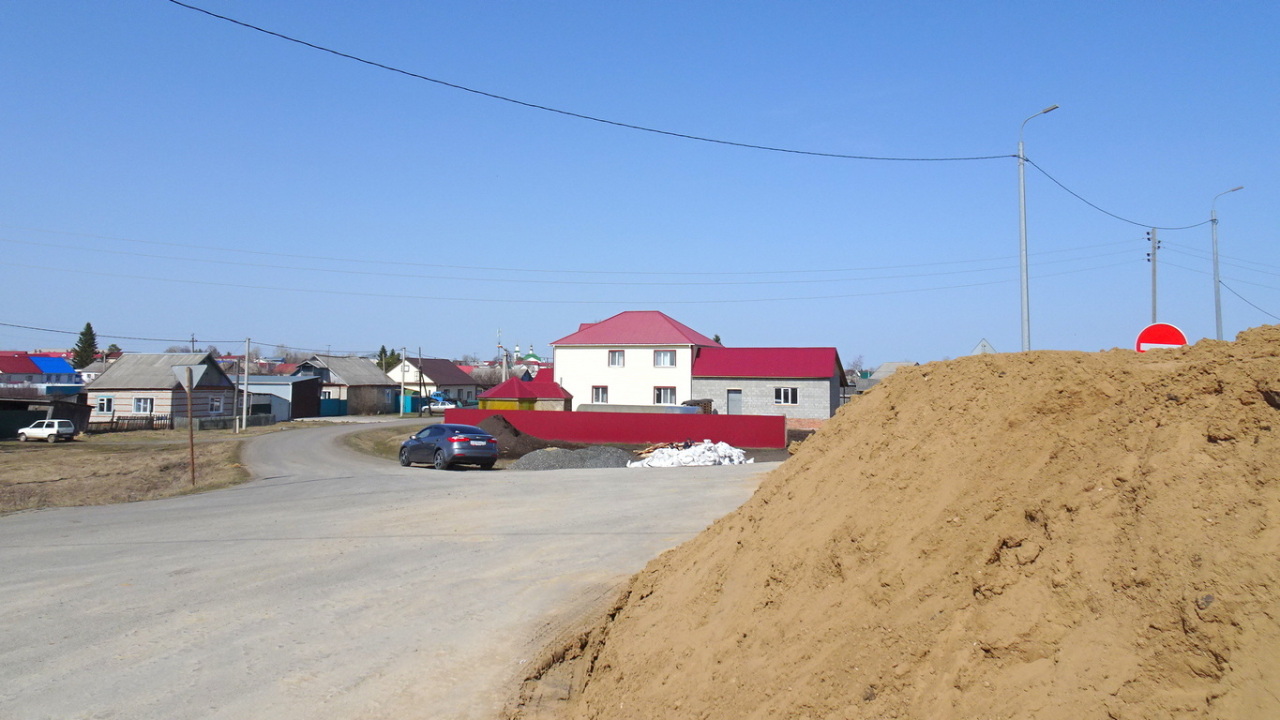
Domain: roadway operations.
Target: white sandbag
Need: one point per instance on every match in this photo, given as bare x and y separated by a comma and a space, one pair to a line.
707, 453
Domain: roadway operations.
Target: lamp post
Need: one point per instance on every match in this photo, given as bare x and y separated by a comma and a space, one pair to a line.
1022, 224
1217, 287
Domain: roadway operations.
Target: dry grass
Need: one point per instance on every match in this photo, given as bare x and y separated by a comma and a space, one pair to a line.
118, 467
384, 442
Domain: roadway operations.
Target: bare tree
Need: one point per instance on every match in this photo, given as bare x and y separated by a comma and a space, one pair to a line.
488, 377
853, 367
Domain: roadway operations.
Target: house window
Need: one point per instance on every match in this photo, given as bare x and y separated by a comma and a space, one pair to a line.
215, 405
106, 405
325, 395
664, 358
617, 358
600, 394
664, 396
786, 396
144, 405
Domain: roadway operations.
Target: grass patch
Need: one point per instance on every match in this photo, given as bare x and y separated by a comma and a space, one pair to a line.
119, 467
384, 442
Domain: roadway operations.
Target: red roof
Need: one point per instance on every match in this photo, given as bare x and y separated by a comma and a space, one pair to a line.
817, 362
18, 363
517, 389
637, 327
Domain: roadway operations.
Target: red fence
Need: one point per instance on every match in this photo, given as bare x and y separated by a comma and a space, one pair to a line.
743, 431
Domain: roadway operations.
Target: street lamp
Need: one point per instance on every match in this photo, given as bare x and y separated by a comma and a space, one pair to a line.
1217, 286
1022, 212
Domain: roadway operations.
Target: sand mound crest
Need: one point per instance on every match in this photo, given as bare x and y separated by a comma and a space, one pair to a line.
1045, 535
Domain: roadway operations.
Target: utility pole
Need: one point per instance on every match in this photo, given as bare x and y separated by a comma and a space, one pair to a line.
404, 368
1151, 258
244, 423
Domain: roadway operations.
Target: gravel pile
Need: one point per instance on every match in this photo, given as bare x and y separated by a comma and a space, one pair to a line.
560, 459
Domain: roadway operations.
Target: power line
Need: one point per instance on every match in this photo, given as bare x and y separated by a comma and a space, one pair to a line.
388, 274
720, 301
183, 341
1081, 198
553, 271
580, 116
1255, 307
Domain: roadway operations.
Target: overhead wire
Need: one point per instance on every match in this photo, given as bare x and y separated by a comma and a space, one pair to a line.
183, 341
611, 283
1084, 200
569, 113
398, 296
1250, 304
669, 133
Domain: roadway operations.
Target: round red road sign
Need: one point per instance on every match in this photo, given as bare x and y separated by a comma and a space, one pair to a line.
1159, 335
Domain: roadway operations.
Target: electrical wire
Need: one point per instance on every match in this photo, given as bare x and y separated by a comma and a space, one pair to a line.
580, 116
555, 271
1250, 304
720, 301
1081, 198
611, 283
182, 341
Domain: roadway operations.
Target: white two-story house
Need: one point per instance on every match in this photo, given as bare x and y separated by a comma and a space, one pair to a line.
635, 358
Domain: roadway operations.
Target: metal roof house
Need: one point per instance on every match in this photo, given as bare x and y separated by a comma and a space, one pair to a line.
644, 360
357, 385
145, 384
429, 375
800, 383
285, 397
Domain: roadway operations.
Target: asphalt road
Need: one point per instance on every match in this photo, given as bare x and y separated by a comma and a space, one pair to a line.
335, 586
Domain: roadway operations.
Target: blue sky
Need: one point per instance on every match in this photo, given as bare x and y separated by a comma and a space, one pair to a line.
169, 173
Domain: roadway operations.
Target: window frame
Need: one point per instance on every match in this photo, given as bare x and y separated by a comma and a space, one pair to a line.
665, 354
106, 403
658, 393
599, 394
144, 405
620, 355
786, 396
215, 404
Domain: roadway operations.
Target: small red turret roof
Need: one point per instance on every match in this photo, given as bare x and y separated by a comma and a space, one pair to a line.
637, 327
517, 389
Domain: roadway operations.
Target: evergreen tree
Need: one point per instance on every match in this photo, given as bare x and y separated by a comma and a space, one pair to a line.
86, 349
387, 359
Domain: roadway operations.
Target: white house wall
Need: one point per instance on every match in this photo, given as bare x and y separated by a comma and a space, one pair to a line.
580, 368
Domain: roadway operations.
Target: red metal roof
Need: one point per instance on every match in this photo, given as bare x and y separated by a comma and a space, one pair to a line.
517, 389
637, 327
816, 362
18, 363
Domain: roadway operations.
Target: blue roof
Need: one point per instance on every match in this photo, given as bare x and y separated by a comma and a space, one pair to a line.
53, 366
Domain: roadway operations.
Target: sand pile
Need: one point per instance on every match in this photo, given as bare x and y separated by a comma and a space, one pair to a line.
1047, 535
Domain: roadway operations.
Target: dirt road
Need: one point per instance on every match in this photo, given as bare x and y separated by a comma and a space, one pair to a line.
335, 586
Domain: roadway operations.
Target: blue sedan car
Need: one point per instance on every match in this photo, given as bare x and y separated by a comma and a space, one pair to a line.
447, 444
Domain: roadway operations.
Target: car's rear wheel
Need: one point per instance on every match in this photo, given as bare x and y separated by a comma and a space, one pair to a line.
486, 466
441, 462
53, 438
404, 457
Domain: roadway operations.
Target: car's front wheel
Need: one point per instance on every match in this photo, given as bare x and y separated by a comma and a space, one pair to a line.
22, 437
404, 457
441, 462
